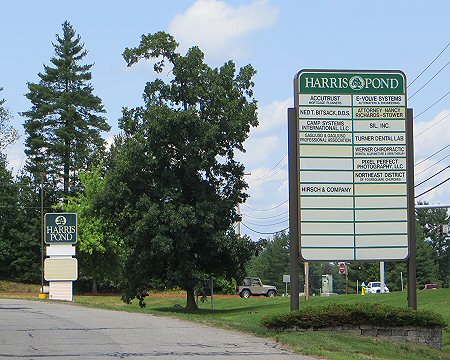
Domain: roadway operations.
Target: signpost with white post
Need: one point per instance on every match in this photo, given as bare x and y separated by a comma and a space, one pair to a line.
60, 269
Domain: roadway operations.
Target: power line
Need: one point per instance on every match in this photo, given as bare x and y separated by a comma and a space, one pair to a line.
265, 233
442, 68
265, 217
437, 152
274, 181
445, 48
434, 187
276, 172
428, 108
432, 176
275, 207
429, 167
277, 223
429, 127
262, 177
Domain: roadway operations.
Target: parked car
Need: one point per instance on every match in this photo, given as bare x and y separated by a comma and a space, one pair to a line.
374, 287
431, 287
254, 286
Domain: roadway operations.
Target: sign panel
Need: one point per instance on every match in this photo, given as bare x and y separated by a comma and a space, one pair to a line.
352, 165
60, 228
60, 250
60, 269
61, 290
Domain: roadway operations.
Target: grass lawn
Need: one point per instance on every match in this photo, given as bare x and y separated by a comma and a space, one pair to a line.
245, 315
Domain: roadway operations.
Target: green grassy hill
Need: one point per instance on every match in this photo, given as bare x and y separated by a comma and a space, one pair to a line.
18, 288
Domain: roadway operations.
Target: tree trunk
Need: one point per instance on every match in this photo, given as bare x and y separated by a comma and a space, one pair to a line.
66, 181
94, 286
191, 304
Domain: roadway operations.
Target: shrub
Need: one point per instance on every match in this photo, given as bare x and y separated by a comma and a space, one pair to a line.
318, 317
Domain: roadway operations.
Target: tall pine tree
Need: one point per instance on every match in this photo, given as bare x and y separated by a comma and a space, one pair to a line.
64, 123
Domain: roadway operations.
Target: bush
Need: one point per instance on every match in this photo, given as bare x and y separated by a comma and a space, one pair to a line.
318, 317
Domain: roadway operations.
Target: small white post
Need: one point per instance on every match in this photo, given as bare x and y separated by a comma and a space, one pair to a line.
382, 276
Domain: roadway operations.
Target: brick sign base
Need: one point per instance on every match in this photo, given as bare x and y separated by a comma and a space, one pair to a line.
423, 335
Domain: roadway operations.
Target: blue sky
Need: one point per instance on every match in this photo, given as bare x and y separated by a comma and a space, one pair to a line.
278, 38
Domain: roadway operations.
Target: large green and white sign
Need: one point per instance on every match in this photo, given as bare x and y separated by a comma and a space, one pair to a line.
60, 228
352, 165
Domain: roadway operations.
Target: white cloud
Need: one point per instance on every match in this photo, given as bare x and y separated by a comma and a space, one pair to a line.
16, 157
109, 141
266, 160
267, 143
260, 150
433, 137
218, 28
274, 115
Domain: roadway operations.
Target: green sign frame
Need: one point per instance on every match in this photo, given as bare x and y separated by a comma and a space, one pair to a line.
351, 165
60, 228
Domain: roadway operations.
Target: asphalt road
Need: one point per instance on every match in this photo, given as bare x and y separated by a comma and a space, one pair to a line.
51, 330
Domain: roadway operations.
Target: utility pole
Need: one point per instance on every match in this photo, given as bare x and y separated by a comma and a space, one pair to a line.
239, 213
42, 232
239, 221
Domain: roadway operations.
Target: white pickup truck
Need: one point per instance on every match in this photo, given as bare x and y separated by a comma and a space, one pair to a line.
374, 287
254, 286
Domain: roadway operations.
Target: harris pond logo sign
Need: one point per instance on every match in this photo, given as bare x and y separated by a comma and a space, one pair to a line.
60, 228
348, 83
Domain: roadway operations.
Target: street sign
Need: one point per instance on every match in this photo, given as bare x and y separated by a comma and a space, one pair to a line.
286, 278
60, 228
352, 163
342, 268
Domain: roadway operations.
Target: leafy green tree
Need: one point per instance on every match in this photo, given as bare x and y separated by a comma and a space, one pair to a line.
272, 262
63, 125
396, 272
20, 240
8, 135
426, 265
361, 271
8, 204
317, 269
173, 182
26, 232
99, 250
427, 269
429, 220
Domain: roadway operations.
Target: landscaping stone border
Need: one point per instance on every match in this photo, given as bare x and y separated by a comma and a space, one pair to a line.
431, 336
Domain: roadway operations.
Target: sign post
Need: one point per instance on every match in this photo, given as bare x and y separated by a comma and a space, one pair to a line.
293, 207
354, 165
286, 280
60, 269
